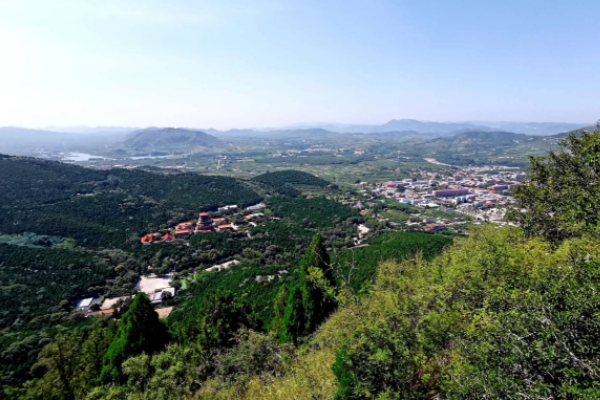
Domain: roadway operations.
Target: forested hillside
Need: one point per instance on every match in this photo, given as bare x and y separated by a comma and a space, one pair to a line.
105, 208
290, 177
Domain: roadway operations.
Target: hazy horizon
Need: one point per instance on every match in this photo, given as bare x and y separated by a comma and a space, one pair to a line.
297, 125
273, 63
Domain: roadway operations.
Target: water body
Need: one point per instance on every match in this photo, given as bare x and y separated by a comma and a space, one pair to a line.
144, 157
78, 157
82, 157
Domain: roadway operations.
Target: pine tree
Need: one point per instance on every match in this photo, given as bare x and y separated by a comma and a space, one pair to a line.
221, 316
140, 331
279, 309
309, 302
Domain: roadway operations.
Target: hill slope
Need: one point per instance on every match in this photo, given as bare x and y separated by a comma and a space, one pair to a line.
21, 141
170, 139
101, 208
477, 147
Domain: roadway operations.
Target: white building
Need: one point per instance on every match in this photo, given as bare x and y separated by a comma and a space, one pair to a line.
85, 303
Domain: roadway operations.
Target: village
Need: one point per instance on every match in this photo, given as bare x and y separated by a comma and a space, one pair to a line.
442, 201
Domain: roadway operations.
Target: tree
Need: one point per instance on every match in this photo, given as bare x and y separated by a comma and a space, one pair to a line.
279, 308
312, 300
59, 358
317, 259
294, 324
221, 316
561, 198
140, 331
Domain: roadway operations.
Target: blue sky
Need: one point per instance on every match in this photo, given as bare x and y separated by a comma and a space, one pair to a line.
234, 64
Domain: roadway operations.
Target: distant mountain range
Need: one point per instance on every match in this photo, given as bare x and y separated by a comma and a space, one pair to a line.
412, 125
21, 141
95, 130
399, 125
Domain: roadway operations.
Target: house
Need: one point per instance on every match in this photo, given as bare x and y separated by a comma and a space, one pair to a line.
450, 192
184, 226
156, 297
227, 208
219, 221
183, 233
362, 230
147, 240
434, 227
257, 207
253, 216
168, 237
225, 227
85, 303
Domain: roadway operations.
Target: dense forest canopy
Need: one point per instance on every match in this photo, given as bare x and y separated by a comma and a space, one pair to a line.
291, 177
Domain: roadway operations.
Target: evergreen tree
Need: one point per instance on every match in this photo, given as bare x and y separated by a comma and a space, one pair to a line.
316, 259
294, 324
140, 331
279, 308
221, 316
311, 301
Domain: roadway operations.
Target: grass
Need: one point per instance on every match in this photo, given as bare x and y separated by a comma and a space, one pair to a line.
395, 215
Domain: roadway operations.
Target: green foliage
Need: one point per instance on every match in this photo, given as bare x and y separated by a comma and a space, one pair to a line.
67, 367
295, 323
279, 306
344, 377
241, 281
286, 182
309, 302
36, 280
140, 331
560, 199
318, 212
359, 266
221, 317
497, 316
291, 177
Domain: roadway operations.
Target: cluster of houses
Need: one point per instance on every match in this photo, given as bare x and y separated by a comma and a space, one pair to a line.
205, 224
433, 194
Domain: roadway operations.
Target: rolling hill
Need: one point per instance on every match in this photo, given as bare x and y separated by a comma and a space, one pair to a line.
170, 140
476, 147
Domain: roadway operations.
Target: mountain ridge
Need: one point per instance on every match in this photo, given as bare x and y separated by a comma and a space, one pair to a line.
170, 139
